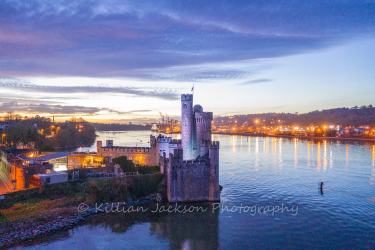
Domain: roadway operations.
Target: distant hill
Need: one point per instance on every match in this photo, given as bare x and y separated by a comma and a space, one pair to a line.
119, 127
355, 116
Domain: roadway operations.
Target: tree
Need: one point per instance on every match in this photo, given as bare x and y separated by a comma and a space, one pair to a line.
125, 164
20, 133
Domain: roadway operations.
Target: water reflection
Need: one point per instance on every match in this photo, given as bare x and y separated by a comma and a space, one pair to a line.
264, 145
295, 151
196, 230
347, 206
190, 231
330, 158
318, 157
308, 153
234, 143
347, 156
280, 152
325, 162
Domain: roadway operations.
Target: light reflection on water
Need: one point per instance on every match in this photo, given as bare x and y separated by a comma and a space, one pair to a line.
258, 171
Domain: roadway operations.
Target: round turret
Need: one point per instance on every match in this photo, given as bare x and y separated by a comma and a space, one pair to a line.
198, 108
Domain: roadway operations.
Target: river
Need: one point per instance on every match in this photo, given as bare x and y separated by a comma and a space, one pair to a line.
270, 200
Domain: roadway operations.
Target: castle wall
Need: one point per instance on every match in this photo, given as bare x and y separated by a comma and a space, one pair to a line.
139, 155
187, 180
214, 193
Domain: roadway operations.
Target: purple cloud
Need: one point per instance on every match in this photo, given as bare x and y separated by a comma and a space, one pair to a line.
144, 40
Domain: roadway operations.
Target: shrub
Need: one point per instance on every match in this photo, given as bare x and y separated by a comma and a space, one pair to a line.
125, 164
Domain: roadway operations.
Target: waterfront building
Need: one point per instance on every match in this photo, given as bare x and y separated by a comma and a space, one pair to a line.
191, 165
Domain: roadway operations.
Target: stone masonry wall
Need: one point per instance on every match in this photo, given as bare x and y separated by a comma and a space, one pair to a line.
187, 180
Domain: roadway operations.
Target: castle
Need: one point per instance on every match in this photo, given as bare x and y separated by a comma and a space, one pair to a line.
191, 164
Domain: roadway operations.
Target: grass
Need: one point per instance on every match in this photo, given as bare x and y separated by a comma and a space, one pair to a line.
37, 208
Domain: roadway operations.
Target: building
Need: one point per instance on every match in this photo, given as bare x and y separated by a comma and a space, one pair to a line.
139, 155
47, 179
191, 164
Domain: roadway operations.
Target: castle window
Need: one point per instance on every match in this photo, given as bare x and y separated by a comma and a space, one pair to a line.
185, 106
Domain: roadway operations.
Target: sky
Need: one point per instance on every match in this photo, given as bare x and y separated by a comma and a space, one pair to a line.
121, 61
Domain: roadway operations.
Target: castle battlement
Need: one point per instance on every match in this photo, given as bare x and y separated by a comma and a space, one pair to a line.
175, 141
186, 97
192, 164
163, 139
204, 116
215, 144
199, 166
126, 149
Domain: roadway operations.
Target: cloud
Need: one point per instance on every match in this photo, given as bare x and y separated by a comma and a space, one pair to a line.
141, 40
257, 81
45, 108
129, 112
161, 93
37, 108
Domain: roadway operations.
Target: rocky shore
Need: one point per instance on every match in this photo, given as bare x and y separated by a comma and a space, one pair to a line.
17, 233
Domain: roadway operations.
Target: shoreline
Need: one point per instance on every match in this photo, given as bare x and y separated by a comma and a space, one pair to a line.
17, 233
300, 137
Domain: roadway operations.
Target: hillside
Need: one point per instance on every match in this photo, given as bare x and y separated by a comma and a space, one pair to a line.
355, 116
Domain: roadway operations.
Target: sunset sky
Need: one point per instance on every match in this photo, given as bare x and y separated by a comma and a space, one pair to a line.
121, 61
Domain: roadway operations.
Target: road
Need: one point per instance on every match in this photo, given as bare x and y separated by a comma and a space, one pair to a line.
5, 183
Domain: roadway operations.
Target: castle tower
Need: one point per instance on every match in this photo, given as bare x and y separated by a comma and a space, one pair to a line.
109, 143
214, 189
203, 128
99, 147
162, 146
187, 126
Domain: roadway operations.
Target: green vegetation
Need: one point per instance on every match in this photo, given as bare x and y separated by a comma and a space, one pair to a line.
148, 169
128, 166
41, 202
74, 133
125, 164
46, 135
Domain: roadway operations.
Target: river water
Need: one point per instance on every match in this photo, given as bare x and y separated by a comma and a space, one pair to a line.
274, 180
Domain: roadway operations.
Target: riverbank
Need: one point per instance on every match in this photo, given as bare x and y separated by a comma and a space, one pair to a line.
34, 213
300, 137
62, 219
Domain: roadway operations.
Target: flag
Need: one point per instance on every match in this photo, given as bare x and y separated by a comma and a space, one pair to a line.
192, 89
